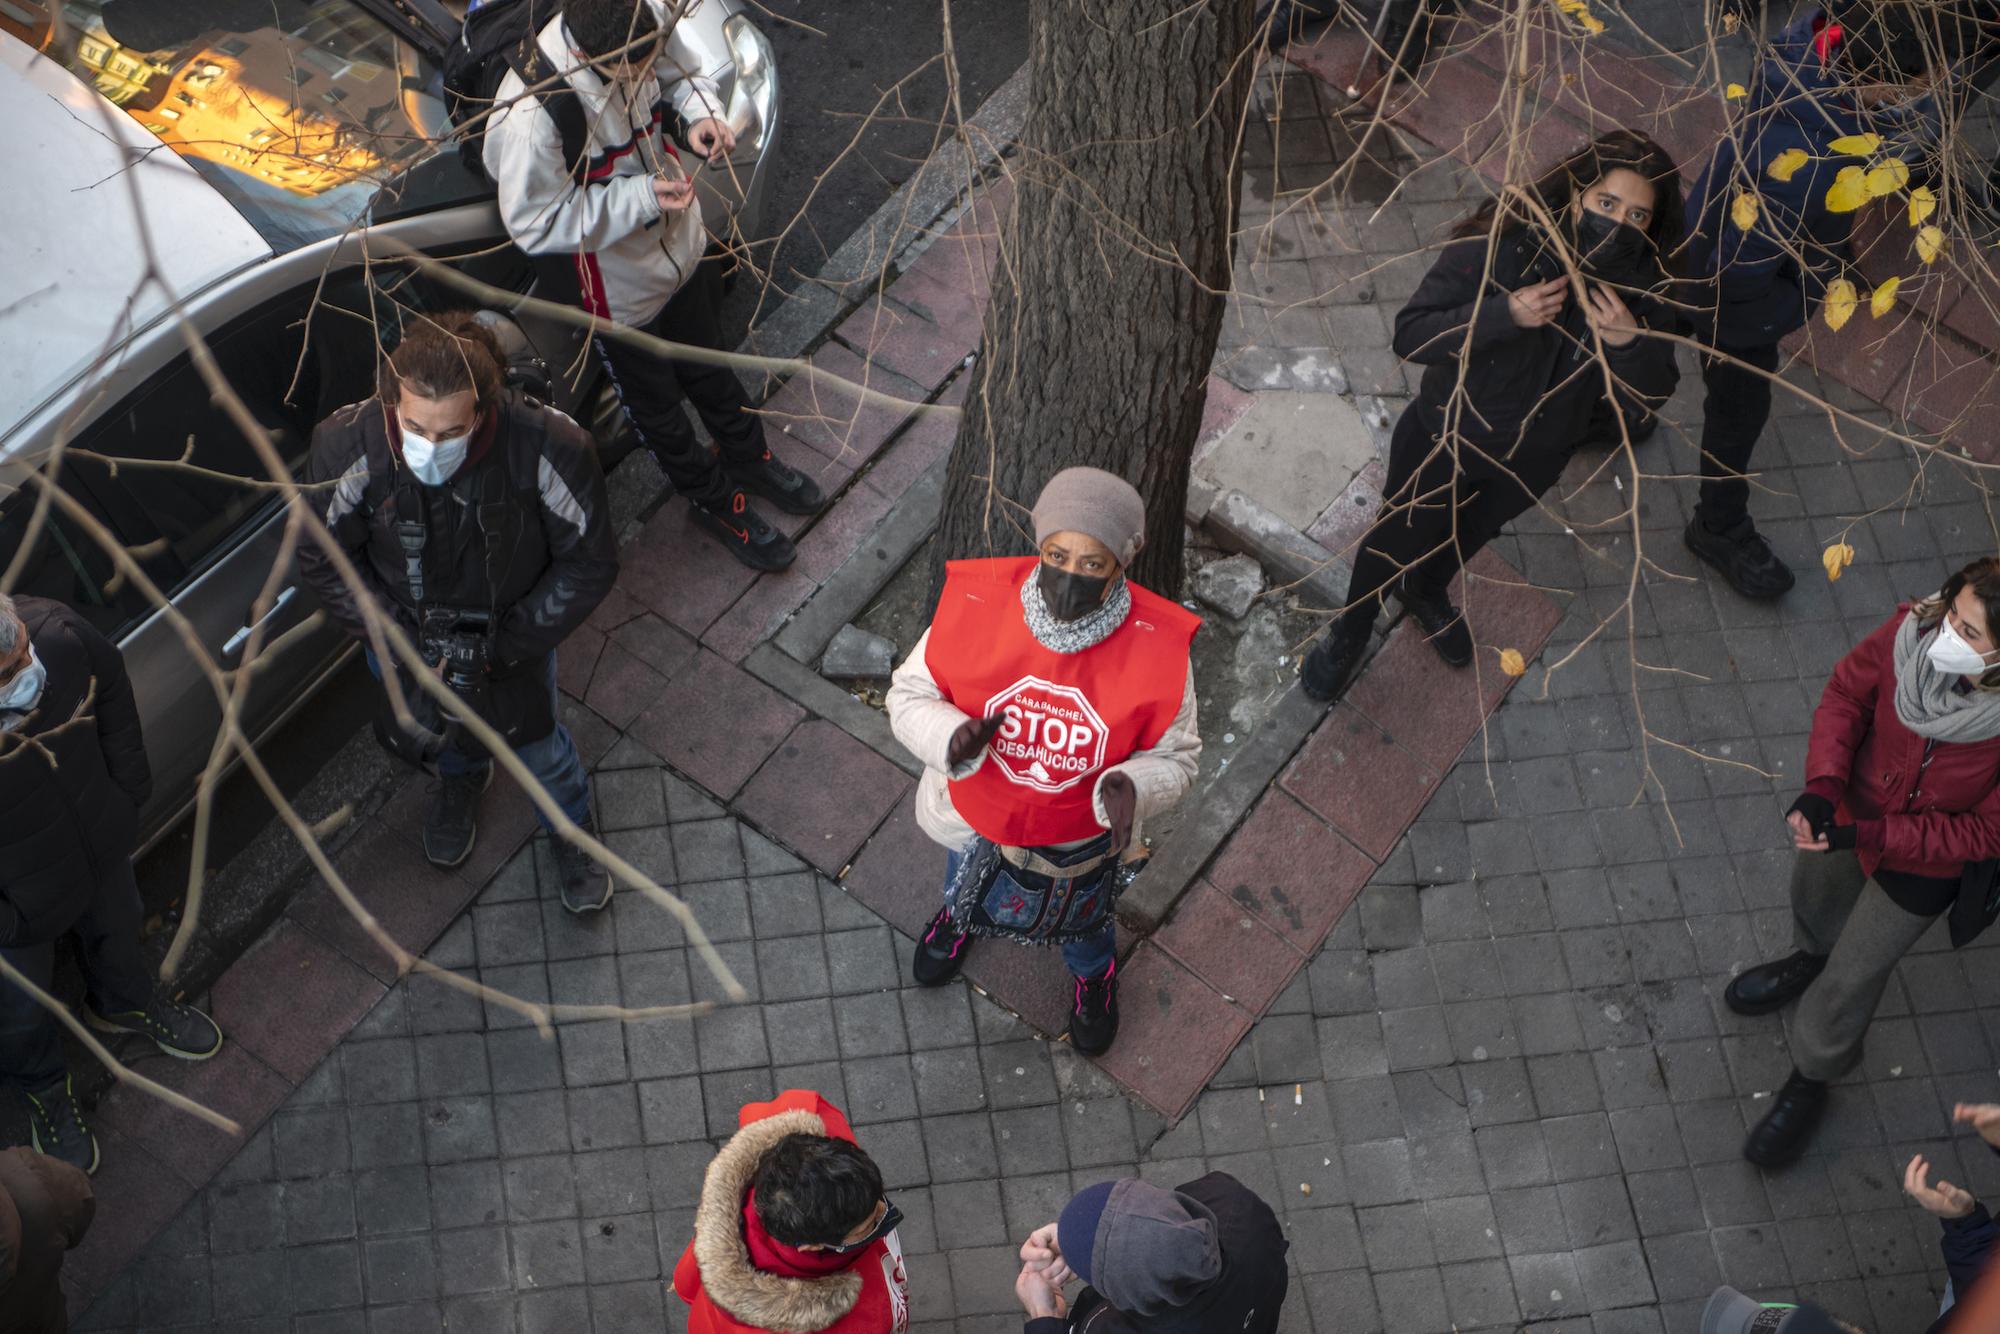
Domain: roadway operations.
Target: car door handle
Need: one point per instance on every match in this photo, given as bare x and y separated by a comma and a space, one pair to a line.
243, 633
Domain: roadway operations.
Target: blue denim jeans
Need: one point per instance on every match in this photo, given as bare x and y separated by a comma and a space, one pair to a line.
552, 760
1086, 958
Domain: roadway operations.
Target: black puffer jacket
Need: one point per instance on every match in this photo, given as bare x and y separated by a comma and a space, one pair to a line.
1527, 392
73, 775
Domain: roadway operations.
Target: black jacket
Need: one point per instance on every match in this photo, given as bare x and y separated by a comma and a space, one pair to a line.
1968, 1247
1244, 1299
522, 531
73, 775
1528, 393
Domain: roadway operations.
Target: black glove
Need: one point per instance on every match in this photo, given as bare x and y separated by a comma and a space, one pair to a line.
1818, 812
1840, 837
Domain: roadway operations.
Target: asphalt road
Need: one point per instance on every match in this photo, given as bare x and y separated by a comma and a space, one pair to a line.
831, 79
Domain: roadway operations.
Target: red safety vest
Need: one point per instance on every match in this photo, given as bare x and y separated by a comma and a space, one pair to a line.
1069, 716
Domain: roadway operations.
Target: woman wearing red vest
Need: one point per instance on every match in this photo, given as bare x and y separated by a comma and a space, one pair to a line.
1052, 704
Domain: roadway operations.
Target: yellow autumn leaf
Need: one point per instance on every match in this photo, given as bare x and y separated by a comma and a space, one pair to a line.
1856, 145
1734, 91
1592, 25
1836, 558
1512, 663
1883, 297
1886, 179
1922, 204
1744, 211
1840, 303
1930, 244
1786, 165
1848, 192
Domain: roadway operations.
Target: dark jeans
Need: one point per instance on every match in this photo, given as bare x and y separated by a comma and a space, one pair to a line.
1734, 409
1436, 515
652, 389
115, 974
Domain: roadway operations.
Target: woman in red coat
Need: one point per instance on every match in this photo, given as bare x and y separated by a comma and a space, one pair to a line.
1902, 791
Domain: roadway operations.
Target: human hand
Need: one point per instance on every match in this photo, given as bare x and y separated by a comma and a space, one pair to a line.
1042, 1252
1983, 1117
973, 735
1039, 1297
1538, 303
1610, 317
1944, 1199
1803, 836
672, 195
1121, 805
712, 138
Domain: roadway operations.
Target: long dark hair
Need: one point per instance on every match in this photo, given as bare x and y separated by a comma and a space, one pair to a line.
1558, 187
442, 355
1983, 578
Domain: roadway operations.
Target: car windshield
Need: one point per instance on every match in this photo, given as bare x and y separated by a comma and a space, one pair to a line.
295, 110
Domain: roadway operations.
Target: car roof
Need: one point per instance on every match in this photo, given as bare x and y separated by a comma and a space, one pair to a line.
70, 247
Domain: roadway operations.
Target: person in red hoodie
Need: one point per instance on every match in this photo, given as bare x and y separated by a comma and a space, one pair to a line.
1902, 796
794, 1234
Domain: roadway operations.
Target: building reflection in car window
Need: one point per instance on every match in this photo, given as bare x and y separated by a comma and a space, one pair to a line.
295, 110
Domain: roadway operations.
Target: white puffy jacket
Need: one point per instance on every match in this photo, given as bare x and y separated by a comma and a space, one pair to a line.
631, 257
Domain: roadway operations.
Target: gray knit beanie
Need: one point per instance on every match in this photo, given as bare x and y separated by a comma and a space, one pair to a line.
1097, 504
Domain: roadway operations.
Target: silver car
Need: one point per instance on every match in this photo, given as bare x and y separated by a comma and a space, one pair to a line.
268, 144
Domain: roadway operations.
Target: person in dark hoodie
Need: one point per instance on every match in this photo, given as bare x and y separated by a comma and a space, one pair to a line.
1205, 1258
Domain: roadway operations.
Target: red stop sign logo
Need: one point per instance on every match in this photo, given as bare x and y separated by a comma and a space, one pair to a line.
1052, 738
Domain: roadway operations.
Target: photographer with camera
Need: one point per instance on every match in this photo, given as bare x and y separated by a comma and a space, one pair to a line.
476, 517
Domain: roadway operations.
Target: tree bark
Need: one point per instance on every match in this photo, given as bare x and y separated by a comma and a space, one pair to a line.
1114, 263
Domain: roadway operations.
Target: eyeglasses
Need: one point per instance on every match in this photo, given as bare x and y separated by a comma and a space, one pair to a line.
884, 1225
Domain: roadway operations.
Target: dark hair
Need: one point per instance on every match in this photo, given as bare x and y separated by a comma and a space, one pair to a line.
1898, 41
1983, 578
814, 1190
600, 27
442, 355
1558, 187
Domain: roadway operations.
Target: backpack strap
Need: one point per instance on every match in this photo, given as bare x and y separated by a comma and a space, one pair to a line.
561, 103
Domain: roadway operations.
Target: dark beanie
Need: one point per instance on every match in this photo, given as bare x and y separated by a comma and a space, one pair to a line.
1076, 1230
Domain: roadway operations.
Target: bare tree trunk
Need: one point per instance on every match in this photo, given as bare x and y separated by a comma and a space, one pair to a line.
1115, 259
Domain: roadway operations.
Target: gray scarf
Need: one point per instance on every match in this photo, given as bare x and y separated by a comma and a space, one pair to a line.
1928, 701
1084, 632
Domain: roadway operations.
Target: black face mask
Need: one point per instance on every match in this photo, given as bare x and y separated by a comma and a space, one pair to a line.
1609, 246
1070, 597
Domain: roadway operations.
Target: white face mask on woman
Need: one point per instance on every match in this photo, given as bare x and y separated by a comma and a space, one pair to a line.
25, 690
1951, 655
434, 461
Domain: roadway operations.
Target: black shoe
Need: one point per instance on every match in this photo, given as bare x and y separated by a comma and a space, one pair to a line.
786, 487
56, 1125
586, 886
181, 1031
1783, 1133
453, 824
1443, 625
1330, 666
743, 530
1093, 1013
1769, 986
940, 951
1743, 557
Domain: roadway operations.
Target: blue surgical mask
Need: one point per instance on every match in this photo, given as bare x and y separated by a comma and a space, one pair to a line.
25, 690
434, 461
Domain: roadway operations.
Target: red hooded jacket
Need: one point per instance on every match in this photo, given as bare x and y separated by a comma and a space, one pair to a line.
728, 1292
1917, 806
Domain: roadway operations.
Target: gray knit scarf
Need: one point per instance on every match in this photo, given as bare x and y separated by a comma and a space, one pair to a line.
1077, 635
1927, 699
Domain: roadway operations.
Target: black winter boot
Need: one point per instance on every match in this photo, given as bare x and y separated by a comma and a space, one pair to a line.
1786, 1129
1744, 558
1329, 668
1443, 624
1770, 986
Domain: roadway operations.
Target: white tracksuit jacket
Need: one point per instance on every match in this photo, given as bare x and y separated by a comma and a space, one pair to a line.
631, 258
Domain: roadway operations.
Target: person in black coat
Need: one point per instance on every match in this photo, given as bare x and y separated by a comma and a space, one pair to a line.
73, 774
1541, 294
1207, 1257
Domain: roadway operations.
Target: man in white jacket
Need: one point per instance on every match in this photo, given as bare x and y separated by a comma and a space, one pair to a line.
628, 217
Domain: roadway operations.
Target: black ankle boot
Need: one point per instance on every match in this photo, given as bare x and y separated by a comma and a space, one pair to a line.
1331, 664
1786, 1129
1769, 986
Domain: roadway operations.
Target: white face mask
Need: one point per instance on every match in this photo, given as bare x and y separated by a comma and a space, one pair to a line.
22, 693
434, 461
1952, 655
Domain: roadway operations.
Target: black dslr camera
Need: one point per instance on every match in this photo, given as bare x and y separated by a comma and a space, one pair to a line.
461, 638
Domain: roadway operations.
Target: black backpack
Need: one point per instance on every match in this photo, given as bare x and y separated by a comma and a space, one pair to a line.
498, 36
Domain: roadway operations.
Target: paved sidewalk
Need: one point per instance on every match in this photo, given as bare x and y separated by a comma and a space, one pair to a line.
1501, 1094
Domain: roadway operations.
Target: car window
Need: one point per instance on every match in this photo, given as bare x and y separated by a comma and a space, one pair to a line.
180, 466
67, 565
295, 110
